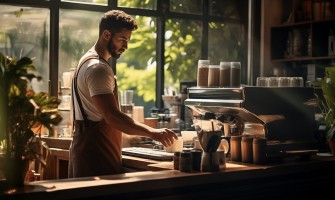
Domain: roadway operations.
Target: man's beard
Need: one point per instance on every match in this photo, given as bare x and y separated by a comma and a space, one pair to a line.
111, 49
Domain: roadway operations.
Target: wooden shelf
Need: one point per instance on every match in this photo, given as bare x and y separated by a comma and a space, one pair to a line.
303, 23
305, 59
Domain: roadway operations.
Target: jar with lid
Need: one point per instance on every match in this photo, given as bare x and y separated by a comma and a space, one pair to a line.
235, 148
224, 74
246, 149
259, 150
213, 76
196, 160
185, 161
202, 76
176, 158
235, 74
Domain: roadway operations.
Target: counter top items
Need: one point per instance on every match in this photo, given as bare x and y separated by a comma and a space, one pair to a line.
155, 154
280, 82
176, 146
213, 75
259, 150
279, 114
235, 74
246, 149
185, 161
224, 74
202, 75
287, 180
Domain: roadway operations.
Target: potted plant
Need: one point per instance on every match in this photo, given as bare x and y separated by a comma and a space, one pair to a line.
327, 106
23, 114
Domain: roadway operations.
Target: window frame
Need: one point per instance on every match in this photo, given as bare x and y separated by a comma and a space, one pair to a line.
160, 13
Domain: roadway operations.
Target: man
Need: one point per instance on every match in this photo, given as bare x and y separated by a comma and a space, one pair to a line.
96, 146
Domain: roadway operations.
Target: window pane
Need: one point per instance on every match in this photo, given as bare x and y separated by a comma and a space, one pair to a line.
227, 43
25, 32
147, 4
136, 68
186, 6
229, 8
78, 31
182, 51
103, 2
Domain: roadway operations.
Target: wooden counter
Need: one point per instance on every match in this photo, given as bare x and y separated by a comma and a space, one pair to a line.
58, 158
290, 179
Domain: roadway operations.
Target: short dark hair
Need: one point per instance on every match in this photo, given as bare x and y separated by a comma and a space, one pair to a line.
114, 20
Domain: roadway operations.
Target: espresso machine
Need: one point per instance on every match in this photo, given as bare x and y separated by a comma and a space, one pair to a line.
281, 115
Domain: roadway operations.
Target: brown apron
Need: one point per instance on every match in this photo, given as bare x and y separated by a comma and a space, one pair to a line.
96, 146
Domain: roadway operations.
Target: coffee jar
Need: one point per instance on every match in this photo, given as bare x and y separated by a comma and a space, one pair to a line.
224, 74
259, 150
246, 149
213, 76
202, 76
176, 158
235, 148
185, 161
235, 74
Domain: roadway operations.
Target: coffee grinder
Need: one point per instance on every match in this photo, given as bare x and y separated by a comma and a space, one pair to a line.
209, 131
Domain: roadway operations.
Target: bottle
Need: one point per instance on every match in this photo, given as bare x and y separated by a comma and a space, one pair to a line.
309, 44
288, 52
297, 45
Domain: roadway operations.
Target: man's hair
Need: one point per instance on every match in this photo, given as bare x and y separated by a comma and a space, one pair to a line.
115, 20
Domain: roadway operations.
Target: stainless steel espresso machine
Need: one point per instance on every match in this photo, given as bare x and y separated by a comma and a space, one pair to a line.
279, 114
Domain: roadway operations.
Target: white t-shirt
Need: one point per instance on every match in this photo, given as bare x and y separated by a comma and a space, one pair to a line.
94, 77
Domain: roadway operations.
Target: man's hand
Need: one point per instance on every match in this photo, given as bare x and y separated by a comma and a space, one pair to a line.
164, 136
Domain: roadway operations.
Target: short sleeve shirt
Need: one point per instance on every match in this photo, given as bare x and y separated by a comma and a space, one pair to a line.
94, 77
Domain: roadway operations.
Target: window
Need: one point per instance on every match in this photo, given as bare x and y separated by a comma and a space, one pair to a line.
148, 4
226, 42
187, 30
104, 2
25, 32
186, 6
78, 31
182, 51
136, 68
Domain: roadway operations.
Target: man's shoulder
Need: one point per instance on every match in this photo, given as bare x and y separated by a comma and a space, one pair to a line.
90, 55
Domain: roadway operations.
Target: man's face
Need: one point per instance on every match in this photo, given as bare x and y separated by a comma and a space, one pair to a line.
119, 43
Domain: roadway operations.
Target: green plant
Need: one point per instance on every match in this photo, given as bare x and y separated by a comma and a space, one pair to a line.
23, 111
327, 105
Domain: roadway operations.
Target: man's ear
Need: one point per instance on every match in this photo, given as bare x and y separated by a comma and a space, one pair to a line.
106, 34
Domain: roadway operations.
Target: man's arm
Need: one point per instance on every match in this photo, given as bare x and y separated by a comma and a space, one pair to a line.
108, 107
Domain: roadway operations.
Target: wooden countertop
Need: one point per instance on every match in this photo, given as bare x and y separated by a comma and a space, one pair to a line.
290, 179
